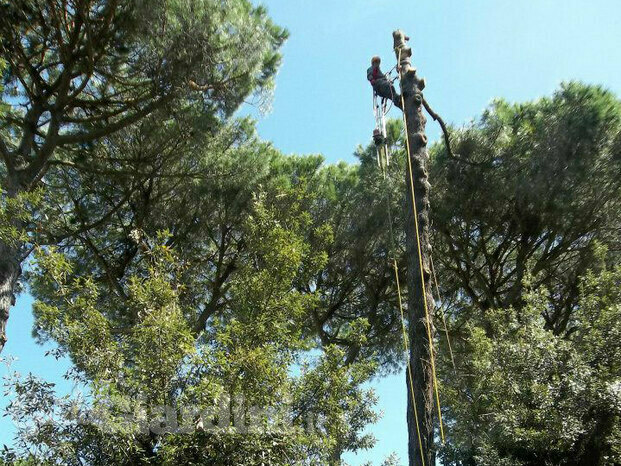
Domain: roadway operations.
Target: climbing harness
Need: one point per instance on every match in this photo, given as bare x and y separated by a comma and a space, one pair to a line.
380, 110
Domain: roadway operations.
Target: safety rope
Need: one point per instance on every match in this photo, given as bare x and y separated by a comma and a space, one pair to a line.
448, 340
420, 258
407, 352
406, 348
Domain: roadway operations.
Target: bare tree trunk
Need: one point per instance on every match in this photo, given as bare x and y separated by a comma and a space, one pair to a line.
420, 347
10, 270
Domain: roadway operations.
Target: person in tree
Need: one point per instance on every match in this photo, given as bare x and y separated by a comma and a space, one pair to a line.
381, 85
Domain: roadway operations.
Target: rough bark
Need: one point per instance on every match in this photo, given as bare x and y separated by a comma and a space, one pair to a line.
420, 348
10, 270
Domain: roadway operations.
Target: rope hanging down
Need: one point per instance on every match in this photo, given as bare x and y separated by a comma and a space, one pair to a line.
420, 261
383, 158
407, 352
448, 340
406, 349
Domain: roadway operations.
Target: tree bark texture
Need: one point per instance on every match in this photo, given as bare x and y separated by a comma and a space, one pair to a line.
10, 270
420, 348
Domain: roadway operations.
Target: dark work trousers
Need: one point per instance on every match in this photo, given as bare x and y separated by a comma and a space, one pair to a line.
385, 89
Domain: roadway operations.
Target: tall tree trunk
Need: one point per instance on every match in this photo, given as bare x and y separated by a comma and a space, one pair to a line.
10, 270
10, 261
420, 347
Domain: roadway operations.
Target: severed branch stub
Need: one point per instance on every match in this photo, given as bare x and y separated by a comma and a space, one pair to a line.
409, 79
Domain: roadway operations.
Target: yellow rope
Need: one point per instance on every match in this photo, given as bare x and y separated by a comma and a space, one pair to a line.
420, 259
448, 340
407, 352
403, 329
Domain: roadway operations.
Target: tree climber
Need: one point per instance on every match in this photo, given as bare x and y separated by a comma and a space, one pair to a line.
381, 85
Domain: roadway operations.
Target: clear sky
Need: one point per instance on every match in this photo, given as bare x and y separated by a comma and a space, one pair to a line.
470, 51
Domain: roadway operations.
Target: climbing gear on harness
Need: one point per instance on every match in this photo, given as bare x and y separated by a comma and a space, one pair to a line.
380, 109
383, 83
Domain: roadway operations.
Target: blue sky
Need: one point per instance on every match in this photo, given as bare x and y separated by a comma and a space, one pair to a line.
470, 51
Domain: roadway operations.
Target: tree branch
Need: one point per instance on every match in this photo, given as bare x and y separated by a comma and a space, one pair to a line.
445, 132
6, 156
86, 227
114, 283
83, 137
